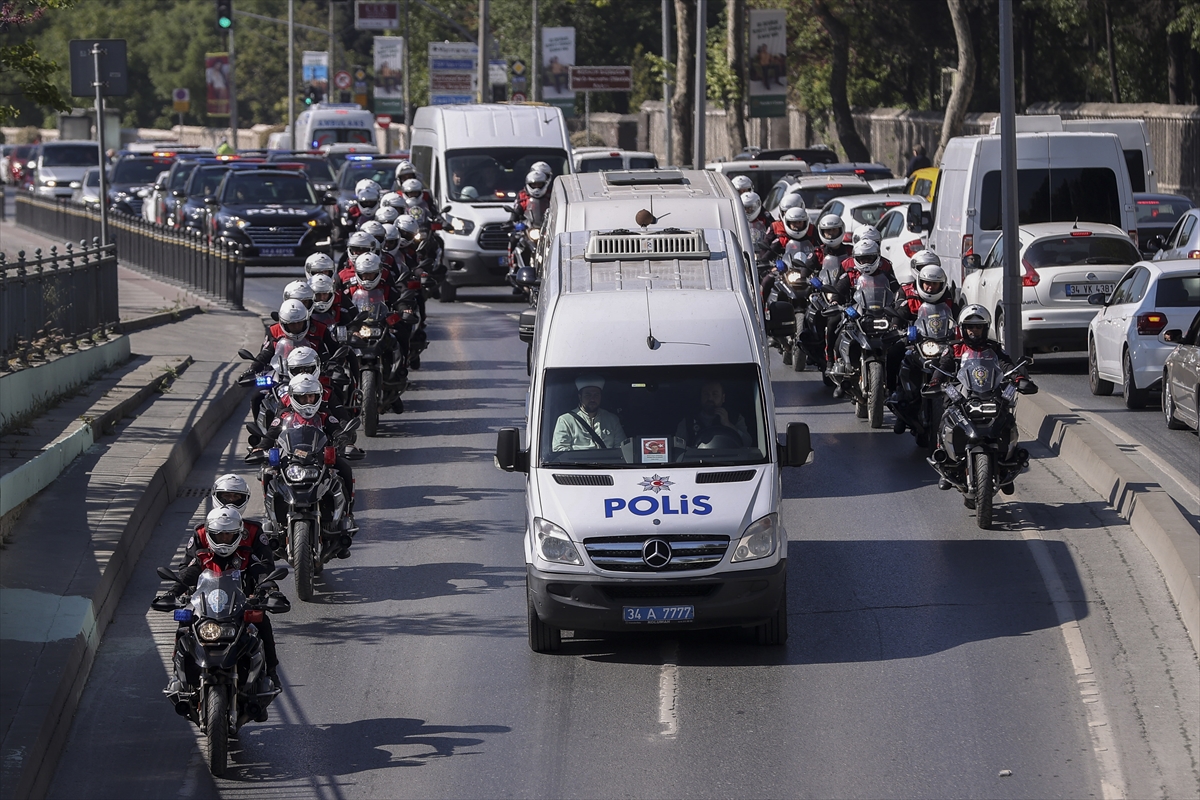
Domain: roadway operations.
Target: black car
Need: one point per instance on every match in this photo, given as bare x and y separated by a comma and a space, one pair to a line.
130, 176
865, 170
315, 165
274, 213
356, 168
1156, 216
190, 209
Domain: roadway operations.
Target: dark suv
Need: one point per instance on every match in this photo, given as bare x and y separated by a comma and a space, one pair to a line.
190, 209
273, 212
131, 178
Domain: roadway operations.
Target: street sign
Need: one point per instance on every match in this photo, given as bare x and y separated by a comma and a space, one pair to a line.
518, 68
376, 16
182, 101
601, 79
383, 120
342, 79
452, 72
519, 97
114, 75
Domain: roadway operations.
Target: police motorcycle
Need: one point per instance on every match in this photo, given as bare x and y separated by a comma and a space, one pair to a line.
791, 286
821, 311
523, 237
977, 436
222, 641
866, 336
304, 498
382, 373
270, 379
929, 337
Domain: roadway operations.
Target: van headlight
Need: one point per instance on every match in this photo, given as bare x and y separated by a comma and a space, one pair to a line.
553, 544
460, 226
758, 540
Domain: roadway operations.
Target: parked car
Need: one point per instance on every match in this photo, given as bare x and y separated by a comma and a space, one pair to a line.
1125, 339
817, 190
88, 188
1157, 215
904, 232
1181, 378
1184, 239
1062, 266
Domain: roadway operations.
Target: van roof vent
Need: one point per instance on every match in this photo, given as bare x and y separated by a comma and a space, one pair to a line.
626, 246
642, 177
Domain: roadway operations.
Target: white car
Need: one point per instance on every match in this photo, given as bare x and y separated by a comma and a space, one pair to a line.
903, 234
152, 197
817, 190
857, 210
1125, 339
1184, 239
1062, 265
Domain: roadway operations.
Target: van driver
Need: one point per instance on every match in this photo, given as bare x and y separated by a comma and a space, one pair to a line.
588, 427
712, 415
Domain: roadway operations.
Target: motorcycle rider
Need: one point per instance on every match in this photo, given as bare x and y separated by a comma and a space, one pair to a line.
293, 328
299, 290
359, 242
795, 227
913, 295
320, 264
864, 260
366, 200
404, 171
789, 200
742, 184
369, 275
831, 232
530, 209
324, 309
227, 542
758, 221
386, 215
414, 189
929, 288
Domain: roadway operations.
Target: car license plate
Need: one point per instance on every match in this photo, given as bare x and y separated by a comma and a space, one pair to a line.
268, 252
504, 261
1085, 289
654, 614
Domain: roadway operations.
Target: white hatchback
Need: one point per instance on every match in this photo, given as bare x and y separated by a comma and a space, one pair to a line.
1062, 264
902, 235
857, 210
1125, 339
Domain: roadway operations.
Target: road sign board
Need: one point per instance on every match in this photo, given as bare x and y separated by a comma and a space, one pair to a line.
376, 16
181, 99
342, 79
601, 79
114, 75
519, 97
383, 120
518, 67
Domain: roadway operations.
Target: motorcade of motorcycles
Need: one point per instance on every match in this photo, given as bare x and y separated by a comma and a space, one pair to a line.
865, 338
218, 636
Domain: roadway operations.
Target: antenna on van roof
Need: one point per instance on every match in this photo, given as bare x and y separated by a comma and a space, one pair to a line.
1075, 226
651, 342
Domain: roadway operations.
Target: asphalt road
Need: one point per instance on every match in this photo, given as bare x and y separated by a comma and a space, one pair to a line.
927, 658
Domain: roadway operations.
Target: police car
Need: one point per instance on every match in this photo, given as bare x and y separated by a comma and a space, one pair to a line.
272, 212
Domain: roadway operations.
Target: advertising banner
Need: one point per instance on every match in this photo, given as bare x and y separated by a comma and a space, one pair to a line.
452, 72
314, 69
602, 79
768, 63
389, 75
216, 79
376, 16
558, 56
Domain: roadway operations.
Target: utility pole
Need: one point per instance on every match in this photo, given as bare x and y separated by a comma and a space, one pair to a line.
481, 66
332, 61
701, 84
666, 87
291, 74
233, 117
96, 51
1008, 182
535, 66
407, 47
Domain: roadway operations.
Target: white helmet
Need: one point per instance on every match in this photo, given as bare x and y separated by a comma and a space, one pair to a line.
831, 229
299, 290
386, 214
866, 256
224, 531
319, 264
322, 286
375, 229
923, 258
931, 283
789, 200
542, 167
230, 491
407, 229
866, 231
393, 199
536, 183
742, 184
367, 192
293, 318
751, 204
974, 315
412, 187
368, 270
795, 222
304, 393
360, 242
404, 171
303, 361
391, 238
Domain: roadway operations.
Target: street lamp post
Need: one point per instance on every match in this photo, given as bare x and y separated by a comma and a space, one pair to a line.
701, 84
291, 74
1011, 302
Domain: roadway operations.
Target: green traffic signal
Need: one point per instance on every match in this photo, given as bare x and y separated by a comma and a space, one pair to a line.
225, 22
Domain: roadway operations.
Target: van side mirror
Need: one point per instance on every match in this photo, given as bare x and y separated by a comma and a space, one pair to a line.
971, 262
1175, 336
527, 325
797, 449
1155, 243
509, 456
781, 318
1097, 299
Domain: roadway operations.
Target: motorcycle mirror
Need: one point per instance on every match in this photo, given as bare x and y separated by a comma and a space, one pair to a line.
275, 316
168, 575
255, 457
341, 353
246, 354
252, 428
352, 425
278, 574
445, 209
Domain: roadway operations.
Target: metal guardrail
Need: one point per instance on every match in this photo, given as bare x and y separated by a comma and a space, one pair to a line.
56, 299
182, 257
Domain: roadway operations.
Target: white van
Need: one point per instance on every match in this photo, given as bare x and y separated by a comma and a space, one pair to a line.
764, 174
474, 159
1061, 177
334, 123
602, 159
652, 463
1135, 141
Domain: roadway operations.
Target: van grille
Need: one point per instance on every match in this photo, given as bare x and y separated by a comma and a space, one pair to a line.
275, 234
689, 551
623, 246
583, 480
725, 477
493, 236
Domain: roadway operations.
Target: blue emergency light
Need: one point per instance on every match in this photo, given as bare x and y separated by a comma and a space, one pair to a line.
183, 615
273, 456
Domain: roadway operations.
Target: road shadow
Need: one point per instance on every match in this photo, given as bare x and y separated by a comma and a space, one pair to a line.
347, 585
895, 470
862, 601
425, 496
391, 427
414, 456
373, 628
417, 404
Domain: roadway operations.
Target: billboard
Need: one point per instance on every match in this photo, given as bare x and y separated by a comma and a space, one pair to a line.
389, 75
314, 69
768, 63
558, 56
452, 72
216, 80
376, 16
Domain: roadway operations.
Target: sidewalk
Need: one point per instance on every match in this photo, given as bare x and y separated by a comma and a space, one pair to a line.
77, 542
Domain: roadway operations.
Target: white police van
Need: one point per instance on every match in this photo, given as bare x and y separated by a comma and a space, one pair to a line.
326, 124
652, 463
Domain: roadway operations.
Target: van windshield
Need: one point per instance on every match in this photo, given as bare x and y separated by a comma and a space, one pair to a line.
709, 415
326, 136
72, 155
493, 174
1088, 194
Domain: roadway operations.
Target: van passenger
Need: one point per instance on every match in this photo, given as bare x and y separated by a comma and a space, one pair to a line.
588, 427
711, 417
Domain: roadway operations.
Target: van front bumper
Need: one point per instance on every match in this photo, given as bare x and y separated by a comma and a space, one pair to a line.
476, 267
730, 599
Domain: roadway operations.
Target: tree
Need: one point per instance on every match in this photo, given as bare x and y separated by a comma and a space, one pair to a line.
21, 64
735, 109
964, 78
843, 120
685, 70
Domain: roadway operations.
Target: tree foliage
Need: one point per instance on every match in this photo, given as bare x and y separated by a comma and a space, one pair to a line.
23, 70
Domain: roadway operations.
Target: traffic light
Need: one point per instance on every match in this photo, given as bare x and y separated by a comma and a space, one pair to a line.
312, 95
225, 14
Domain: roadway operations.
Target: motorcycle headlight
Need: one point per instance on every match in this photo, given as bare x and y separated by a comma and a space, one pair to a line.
50, 182
793, 276
880, 324
553, 544
535, 234
209, 631
295, 472
930, 348
758, 540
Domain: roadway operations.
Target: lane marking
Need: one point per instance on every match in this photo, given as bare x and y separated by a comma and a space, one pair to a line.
668, 690
478, 305
514, 316
1104, 748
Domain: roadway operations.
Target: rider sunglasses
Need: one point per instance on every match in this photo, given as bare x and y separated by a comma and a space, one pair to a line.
224, 537
309, 369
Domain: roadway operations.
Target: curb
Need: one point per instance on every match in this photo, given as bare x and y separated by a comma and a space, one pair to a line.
1137, 497
41, 760
21, 391
154, 320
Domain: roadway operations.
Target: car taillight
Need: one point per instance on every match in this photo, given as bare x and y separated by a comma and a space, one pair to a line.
1194, 254
1151, 323
1081, 233
913, 247
968, 243
1029, 276
1133, 235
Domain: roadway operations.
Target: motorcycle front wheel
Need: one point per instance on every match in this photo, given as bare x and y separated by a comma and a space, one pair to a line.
216, 724
370, 405
302, 558
876, 388
799, 357
983, 490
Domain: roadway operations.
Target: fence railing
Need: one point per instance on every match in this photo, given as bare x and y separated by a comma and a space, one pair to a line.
215, 269
56, 299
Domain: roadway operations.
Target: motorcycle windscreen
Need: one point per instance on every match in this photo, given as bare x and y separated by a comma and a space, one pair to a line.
217, 596
279, 361
370, 301
872, 294
934, 321
800, 253
302, 441
980, 372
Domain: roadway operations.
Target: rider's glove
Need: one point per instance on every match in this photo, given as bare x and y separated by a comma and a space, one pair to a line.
1026, 386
